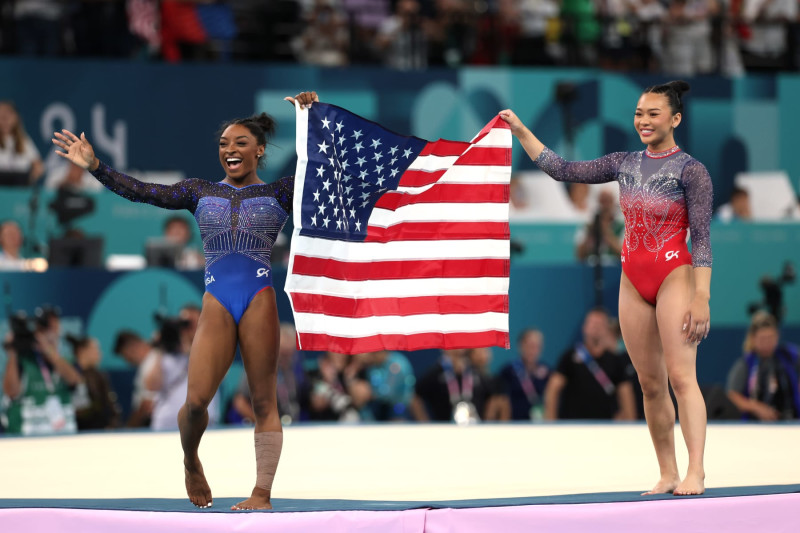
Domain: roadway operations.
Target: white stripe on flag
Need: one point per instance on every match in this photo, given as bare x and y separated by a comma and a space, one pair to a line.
500, 138
402, 325
383, 218
432, 163
396, 288
400, 250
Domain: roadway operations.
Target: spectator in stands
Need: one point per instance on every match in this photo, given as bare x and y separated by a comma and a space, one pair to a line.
10, 246
454, 35
325, 40
20, 162
764, 383
539, 33
767, 46
579, 197
525, 379
498, 405
63, 174
403, 38
290, 387
339, 389
688, 49
601, 238
140, 354
649, 16
97, 408
168, 377
178, 230
392, 380
451, 391
591, 381
39, 26
738, 208
38, 382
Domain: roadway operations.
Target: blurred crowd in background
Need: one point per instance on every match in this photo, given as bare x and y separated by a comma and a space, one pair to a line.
676, 37
53, 382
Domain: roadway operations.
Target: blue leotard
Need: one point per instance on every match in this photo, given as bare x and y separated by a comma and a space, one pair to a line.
238, 227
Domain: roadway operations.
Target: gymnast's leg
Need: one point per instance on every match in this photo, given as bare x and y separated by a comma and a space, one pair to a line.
259, 337
674, 298
211, 355
640, 332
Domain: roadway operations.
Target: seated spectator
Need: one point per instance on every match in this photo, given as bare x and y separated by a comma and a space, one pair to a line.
591, 381
764, 383
452, 390
498, 406
10, 246
39, 26
290, 385
169, 375
64, 174
403, 38
38, 381
392, 380
602, 237
767, 46
20, 163
178, 230
339, 389
99, 408
325, 40
738, 208
140, 354
525, 379
579, 196
688, 49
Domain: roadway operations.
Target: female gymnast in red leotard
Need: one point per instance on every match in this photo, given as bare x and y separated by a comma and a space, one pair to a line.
665, 289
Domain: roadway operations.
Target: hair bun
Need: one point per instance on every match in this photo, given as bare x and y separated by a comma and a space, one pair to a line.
679, 86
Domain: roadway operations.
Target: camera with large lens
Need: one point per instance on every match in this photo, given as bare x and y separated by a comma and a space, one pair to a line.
772, 288
169, 332
22, 331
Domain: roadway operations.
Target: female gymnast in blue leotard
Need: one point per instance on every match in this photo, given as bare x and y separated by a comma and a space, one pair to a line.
664, 290
239, 219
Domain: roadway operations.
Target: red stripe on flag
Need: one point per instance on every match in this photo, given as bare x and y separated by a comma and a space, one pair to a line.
447, 193
410, 269
438, 231
420, 178
419, 341
444, 148
485, 156
412, 305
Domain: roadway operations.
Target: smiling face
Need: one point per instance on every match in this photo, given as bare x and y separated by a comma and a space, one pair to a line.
655, 123
239, 153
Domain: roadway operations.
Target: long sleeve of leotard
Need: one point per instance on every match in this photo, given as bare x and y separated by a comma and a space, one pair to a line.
284, 192
699, 204
600, 170
182, 195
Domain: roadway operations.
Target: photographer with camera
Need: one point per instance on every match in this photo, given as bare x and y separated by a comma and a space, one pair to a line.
38, 382
168, 377
98, 408
763, 384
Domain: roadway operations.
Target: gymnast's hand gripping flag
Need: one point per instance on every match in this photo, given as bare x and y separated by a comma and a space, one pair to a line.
399, 243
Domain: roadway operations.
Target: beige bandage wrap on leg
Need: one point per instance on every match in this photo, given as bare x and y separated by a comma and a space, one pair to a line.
268, 453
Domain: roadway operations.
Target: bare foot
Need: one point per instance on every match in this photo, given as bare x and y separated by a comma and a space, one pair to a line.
196, 485
665, 485
692, 485
259, 499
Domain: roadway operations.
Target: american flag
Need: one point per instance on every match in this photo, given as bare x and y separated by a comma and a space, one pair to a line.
399, 243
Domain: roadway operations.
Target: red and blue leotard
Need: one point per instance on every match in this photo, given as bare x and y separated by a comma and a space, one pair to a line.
661, 196
238, 227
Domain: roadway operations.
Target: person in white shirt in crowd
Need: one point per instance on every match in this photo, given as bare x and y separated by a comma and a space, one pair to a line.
10, 246
17, 151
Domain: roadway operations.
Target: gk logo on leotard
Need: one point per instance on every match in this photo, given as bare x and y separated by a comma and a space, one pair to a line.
671, 255
262, 273
210, 280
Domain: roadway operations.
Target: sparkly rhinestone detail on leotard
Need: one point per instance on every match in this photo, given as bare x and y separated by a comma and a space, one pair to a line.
678, 195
